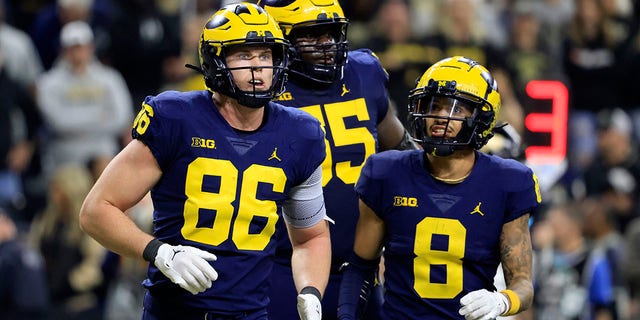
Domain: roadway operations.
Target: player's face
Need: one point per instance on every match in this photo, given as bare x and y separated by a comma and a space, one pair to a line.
246, 64
316, 45
446, 116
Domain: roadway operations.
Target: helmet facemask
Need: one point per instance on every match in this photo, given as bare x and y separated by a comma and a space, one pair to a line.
219, 77
319, 62
446, 105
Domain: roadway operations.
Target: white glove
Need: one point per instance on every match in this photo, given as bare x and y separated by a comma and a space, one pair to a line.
187, 267
309, 307
483, 305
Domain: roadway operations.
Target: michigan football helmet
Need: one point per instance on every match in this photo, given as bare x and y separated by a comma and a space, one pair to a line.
312, 19
461, 82
241, 24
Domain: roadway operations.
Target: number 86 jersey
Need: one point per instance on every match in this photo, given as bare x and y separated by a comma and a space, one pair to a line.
222, 190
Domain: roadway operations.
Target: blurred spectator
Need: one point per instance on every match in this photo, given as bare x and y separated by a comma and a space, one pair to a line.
423, 17
554, 17
23, 286
590, 56
360, 10
143, 37
528, 58
401, 54
175, 75
86, 105
21, 13
72, 258
600, 228
19, 123
199, 7
45, 30
574, 281
125, 294
631, 261
614, 175
21, 58
462, 31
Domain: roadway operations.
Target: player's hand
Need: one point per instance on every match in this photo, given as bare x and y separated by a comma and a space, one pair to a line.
309, 307
187, 267
483, 305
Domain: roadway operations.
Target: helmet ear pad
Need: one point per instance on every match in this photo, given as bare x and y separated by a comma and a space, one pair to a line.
216, 75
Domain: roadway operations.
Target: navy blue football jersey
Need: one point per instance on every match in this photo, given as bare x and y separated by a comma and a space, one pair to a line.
222, 190
349, 111
442, 240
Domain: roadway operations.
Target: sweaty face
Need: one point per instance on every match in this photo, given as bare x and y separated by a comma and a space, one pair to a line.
251, 67
445, 116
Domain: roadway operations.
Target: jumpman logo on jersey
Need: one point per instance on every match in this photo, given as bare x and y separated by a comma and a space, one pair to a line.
274, 155
477, 209
344, 90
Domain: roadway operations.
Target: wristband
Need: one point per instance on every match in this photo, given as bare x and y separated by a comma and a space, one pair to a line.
151, 250
514, 302
311, 290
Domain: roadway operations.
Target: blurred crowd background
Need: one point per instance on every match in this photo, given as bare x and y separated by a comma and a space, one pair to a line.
73, 74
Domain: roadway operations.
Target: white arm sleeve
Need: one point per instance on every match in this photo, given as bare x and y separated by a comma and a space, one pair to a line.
305, 205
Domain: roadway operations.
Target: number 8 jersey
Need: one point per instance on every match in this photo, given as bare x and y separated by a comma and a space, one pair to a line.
441, 240
222, 190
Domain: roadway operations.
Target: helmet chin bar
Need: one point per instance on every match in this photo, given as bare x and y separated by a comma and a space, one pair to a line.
438, 150
252, 99
441, 147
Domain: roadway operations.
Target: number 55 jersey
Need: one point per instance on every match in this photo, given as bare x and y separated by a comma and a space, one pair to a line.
222, 191
442, 240
349, 111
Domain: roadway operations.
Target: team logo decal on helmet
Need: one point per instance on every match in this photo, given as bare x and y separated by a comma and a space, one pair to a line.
234, 25
464, 81
319, 63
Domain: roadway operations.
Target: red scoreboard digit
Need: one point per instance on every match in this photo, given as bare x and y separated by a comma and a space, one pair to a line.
554, 123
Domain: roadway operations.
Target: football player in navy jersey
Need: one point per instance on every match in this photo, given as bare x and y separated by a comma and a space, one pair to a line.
346, 91
446, 216
223, 165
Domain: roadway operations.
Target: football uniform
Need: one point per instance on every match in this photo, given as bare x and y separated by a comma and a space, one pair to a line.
222, 191
441, 240
349, 111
